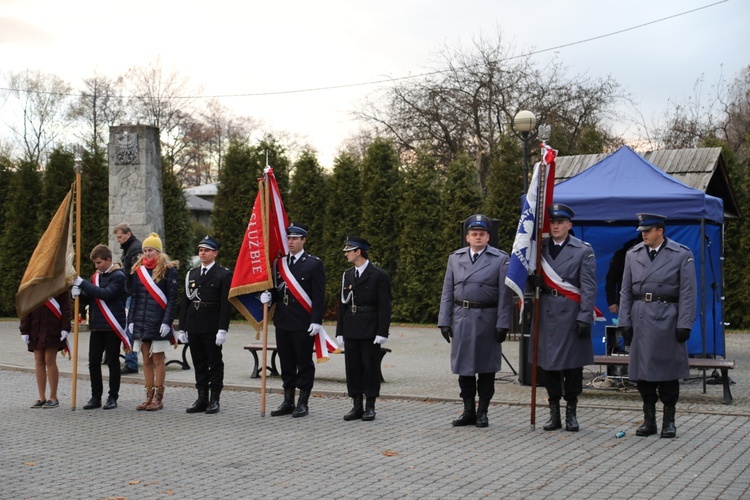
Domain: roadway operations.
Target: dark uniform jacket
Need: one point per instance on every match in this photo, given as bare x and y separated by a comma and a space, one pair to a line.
365, 310
111, 290
655, 354
289, 314
205, 300
145, 313
43, 327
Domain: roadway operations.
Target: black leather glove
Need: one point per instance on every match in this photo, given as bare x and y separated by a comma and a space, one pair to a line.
683, 334
584, 329
501, 334
627, 334
447, 332
536, 281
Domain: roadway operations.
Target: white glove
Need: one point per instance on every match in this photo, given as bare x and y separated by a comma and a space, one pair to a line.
78, 281
340, 339
75, 291
221, 337
130, 328
25, 338
314, 329
380, 340
164, 330
265, 297
182, 336
64, 335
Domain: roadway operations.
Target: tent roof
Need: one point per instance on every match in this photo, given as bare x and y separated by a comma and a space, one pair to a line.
699, 168
623, 184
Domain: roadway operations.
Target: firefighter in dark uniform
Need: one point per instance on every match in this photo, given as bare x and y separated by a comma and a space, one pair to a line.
475, 314
364, 318
295, 326
657, 311
204, 321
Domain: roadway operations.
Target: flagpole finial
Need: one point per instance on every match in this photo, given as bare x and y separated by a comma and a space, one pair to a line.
78, 160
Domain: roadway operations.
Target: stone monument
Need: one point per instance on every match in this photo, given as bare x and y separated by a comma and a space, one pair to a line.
135, 194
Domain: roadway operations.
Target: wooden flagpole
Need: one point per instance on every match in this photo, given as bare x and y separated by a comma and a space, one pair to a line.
77, 303
540, 206
267, 208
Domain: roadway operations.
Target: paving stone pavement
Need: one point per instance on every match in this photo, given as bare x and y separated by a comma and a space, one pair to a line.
409, 451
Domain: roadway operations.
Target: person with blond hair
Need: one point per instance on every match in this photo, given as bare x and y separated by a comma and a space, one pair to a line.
153, 307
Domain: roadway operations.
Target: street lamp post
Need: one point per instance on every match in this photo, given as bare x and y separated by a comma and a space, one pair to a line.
524, 126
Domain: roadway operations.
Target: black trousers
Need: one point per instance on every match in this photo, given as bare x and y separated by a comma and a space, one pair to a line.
295, 349
362, 362
484, 384
208, 360
651, 392
101, 341
566, 384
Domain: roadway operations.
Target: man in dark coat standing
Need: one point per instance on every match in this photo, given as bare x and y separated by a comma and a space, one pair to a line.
131, 250
566, 302
364, 318
296, 325
204, 322
657, 311
476, 314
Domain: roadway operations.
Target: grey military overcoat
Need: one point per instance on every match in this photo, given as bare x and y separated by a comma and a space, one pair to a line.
655, 354
560, 347
474, 348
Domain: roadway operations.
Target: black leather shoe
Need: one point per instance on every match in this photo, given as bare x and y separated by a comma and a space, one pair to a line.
125, 370
111, 404
466, 418
92, 404
482, 420
284, 408
213, 407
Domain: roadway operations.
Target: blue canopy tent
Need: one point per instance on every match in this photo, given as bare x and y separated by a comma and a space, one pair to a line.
606, 198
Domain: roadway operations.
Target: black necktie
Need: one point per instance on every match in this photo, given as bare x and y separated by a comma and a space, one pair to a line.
652, 254
291, 260
356, 274
554, 250
203, 272
474, 257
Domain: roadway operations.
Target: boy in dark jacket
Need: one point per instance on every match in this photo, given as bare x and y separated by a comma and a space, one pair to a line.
105, 296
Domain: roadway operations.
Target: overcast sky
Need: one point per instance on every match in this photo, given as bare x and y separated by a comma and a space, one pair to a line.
230, 47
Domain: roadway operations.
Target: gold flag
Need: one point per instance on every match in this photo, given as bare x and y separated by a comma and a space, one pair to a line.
51, 264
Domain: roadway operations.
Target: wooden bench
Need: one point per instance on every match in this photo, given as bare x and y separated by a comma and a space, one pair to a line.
723, 365
255, 348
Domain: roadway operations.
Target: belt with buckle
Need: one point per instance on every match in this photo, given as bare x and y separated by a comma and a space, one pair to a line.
198, 304
650, 297
552, 292
361, 309
474, 305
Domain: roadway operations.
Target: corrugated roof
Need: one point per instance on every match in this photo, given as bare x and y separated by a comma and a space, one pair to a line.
700, 168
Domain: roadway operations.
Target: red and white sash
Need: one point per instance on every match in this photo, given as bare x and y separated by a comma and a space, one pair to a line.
110, 317
324, 345
555, 282
54, 306
158, 295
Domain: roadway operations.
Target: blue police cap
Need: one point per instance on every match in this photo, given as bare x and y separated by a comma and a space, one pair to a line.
647, 221
355, 242
297, 229
558, 211
209, 242
477, 221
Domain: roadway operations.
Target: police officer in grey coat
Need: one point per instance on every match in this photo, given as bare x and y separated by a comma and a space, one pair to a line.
657, 312
476, 313
566, 303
